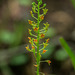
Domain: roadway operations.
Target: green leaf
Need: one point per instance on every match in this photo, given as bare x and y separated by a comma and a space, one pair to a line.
68, 50
19, 60
61, 55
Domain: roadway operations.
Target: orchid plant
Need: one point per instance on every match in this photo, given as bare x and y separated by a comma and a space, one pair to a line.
38, 33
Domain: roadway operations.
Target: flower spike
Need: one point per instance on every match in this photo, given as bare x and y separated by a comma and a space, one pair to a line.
38, 33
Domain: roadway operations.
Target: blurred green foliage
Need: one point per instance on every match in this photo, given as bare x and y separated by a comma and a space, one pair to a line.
18, 34
73, 2
5, 68
12, 38
6, 37
19, 60
68, 50
25, 2
51, 32
61, 55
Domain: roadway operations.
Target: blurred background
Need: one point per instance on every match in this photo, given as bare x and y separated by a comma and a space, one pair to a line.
14, 59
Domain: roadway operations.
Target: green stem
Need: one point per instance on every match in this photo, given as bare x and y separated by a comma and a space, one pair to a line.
38, 57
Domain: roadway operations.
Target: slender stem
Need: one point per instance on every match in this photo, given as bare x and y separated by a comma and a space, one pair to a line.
38, 57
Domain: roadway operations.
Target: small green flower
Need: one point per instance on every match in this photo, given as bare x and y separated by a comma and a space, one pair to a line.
45, 11
44, 5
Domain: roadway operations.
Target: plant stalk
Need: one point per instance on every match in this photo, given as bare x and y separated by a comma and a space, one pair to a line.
38, 57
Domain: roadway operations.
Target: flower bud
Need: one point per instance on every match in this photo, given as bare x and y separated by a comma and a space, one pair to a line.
30, 22
35, 40
27, 47
49, 62
44, 51
42, 35
40, 2
33, 47
41, 17
31, 12
36, 29
33, 3
35, 65
44, 5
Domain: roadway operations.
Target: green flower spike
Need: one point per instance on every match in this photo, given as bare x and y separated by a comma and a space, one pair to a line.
40, 33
